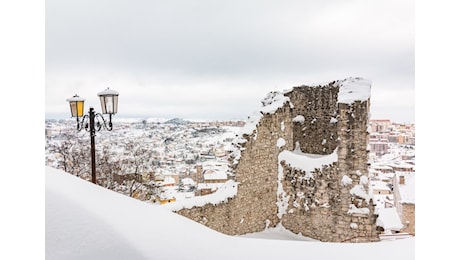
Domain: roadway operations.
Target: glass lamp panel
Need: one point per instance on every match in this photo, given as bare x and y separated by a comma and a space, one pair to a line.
109, 104
103, 107
73, 108
115, 104
80, 106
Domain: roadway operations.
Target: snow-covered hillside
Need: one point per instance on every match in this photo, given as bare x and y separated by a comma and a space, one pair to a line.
85, 221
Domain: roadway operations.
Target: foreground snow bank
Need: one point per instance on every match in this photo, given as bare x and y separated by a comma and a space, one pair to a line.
86, 221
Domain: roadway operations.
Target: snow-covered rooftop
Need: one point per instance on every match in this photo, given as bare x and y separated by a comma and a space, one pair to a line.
217, 175
379, 185
389, 219
406, 190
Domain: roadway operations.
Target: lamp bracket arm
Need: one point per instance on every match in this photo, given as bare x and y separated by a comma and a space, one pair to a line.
101, 122
83, 123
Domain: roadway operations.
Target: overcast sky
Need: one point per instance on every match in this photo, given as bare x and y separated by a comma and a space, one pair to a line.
218, 59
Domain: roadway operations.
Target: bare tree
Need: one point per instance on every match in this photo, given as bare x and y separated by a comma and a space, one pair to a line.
139, 158
59, 149
107, 166
70, 154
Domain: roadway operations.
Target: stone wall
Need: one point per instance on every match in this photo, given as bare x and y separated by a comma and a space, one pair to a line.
408, 218
330, 203
318, 105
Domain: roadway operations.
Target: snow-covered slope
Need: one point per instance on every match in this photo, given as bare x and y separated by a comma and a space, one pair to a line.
85, 221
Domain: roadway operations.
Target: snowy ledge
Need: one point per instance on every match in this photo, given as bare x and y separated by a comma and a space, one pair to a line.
228, 190
353, 210
359, 191
306, 161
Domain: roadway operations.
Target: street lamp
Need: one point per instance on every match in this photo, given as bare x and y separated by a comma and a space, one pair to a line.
109, 105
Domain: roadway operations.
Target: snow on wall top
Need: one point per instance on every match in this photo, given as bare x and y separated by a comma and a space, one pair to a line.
273, 101
250, 124
352, 89
270, 104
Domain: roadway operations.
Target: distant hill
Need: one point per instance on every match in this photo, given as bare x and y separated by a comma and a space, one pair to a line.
177, 121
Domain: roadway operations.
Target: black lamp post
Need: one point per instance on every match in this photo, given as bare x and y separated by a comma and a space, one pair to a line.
109, 105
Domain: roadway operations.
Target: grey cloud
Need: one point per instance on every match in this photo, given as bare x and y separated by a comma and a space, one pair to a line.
268, 42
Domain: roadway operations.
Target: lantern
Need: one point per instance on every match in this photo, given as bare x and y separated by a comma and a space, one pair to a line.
109, 101
76, 105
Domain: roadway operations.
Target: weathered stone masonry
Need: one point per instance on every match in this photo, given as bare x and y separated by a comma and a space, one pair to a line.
332, 202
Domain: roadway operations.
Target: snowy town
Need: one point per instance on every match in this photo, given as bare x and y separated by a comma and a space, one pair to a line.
155, 160
165, 161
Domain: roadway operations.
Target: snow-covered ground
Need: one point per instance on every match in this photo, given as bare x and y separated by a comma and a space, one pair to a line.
86, 221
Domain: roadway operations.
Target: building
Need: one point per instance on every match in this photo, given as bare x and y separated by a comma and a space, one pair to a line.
379, 144
402, 166
404, 200
380, 125
213, 180
380, 188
